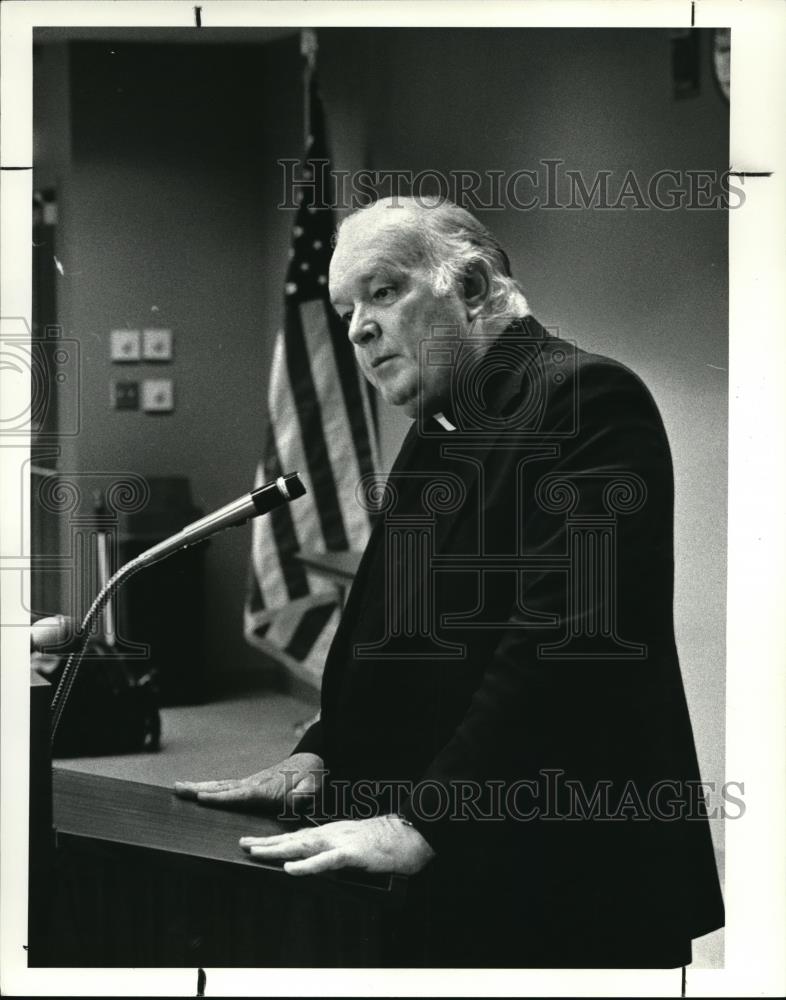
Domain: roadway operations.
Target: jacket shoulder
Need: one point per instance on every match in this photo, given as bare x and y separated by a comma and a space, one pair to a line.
596, 386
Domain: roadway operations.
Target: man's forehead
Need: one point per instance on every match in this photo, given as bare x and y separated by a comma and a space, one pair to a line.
366, 244
363, 266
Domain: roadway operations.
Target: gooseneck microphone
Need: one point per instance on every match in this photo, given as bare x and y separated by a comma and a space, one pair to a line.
259, 501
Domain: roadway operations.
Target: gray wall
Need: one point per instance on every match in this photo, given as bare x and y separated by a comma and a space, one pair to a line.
169, 199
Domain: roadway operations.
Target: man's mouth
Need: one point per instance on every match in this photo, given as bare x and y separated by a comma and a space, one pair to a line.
381, 360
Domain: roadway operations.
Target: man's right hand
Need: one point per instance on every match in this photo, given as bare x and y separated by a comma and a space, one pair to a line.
299, 776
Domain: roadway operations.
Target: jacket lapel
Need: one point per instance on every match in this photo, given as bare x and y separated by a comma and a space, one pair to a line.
462, 452
465, 450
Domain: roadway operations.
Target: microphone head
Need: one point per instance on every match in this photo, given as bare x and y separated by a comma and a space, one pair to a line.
293, 486
274, 494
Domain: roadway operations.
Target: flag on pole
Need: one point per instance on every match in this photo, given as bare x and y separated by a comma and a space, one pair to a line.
321, 422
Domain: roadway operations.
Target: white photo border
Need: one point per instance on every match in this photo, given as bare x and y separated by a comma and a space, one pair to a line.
756, 681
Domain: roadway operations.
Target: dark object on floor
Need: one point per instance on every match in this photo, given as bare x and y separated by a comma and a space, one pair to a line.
112, 709
176, 639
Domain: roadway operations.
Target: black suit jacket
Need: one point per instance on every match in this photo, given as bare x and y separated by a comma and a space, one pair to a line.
510, 630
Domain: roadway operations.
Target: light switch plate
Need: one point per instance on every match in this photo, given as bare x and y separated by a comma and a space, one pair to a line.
124, 345
156, 344
158, 395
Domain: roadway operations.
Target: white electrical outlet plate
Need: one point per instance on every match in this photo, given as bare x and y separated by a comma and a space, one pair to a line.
158, 395
124, 345
156, 344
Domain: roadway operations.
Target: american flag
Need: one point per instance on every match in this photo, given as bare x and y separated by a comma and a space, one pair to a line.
321, 423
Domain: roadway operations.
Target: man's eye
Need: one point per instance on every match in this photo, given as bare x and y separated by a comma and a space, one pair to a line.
383, 293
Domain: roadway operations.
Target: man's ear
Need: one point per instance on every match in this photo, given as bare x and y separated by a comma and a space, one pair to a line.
477, 288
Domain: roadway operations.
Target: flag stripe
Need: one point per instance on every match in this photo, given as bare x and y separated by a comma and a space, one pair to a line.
373, 405
265, 557
282, 524
337, 426
369, 397
352, 391
308, 630
283, 405
255, 602
312, 432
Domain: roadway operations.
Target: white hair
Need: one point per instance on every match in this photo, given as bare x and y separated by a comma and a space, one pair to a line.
451, 241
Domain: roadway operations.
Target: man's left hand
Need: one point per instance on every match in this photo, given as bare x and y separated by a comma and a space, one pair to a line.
382, 844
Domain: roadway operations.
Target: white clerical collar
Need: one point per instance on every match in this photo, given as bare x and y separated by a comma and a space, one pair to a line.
443, 420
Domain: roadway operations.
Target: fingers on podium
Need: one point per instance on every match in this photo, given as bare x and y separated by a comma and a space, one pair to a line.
323, 862
303, 790
196, 789
190, 789
282, 852
285, 846
276, 838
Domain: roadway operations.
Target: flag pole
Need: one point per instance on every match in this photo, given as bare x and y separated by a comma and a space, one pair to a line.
308, 49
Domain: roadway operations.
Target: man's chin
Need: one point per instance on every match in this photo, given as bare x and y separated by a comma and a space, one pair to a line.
403, 399
411, 404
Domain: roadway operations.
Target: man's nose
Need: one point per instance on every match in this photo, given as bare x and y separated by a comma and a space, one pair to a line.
362, 330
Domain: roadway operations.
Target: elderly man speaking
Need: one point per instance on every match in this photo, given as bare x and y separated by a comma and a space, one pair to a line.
503, 717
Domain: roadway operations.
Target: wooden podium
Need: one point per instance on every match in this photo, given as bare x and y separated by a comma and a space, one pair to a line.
142, 878
135, 877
